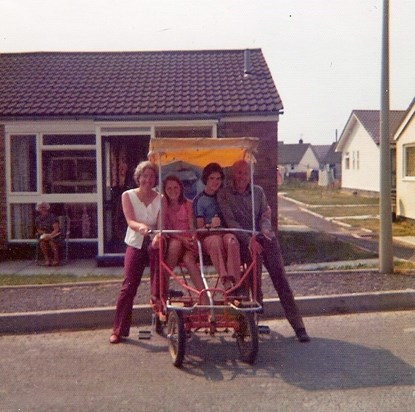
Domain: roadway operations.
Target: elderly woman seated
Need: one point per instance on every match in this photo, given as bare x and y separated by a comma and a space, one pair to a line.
47, 228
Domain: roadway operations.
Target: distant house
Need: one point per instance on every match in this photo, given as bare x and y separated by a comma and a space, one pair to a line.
330, 160
73, 126
360, 152
405, 160
297, 160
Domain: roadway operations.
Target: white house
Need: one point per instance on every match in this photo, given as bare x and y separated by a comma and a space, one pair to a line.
359, 146
405, 161
297, 160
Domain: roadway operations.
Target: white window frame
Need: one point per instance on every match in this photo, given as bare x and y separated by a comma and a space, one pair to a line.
405, 176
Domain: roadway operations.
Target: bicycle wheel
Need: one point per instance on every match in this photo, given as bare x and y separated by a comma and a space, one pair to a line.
176, 336
247, 337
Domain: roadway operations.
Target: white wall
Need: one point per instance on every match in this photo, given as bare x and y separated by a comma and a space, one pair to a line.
363, 173
405, 187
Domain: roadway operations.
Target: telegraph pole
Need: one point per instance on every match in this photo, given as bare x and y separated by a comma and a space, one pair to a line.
385, 205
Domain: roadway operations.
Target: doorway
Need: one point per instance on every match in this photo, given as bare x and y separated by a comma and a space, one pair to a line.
121, 154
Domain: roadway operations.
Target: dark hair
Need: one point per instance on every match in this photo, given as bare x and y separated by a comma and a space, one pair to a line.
212, 168
174, 178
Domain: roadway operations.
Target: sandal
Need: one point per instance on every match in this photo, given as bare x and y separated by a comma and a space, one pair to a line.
114, 338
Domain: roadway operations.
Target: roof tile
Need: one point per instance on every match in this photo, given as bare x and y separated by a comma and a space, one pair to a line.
136, 83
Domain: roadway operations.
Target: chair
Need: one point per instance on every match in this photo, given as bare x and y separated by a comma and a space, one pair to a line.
63, 240
65, 231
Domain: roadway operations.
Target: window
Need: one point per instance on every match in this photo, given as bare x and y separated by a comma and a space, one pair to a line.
357, 160
72, 171
409, 164
82, 217
347, 160
23, 163
22, 221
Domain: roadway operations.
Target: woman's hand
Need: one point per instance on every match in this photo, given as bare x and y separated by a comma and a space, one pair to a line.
143, 229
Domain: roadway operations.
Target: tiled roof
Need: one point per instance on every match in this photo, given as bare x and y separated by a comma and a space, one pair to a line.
332, 156
321, 151
370, 120
291, 153
137, 84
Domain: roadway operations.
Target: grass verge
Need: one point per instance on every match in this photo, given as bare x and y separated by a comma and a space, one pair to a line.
51, 279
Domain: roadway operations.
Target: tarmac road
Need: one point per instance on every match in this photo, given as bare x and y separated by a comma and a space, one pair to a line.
361, 362
295, 212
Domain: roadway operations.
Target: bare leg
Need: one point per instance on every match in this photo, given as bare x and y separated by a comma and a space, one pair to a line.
45, 251
189, 261
233, 256
213, 244
55, 250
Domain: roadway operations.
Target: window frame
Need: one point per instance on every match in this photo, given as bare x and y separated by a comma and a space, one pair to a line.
405, 149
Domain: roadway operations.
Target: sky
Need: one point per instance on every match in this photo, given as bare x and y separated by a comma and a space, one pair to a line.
324, 56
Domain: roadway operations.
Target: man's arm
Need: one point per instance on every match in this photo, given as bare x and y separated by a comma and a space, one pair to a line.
225, 206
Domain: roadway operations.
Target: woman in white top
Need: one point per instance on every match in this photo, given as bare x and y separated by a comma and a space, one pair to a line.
141, 207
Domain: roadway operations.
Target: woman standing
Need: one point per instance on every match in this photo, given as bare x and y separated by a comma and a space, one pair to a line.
223, 248
141, 207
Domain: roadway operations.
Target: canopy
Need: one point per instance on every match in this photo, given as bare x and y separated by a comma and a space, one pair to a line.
200, 151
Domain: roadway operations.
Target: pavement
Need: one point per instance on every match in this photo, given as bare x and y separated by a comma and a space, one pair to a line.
404, 248
101, 317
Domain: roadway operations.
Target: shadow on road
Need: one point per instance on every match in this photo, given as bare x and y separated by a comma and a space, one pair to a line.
322, 364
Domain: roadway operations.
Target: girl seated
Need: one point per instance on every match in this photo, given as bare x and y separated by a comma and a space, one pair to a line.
177, 215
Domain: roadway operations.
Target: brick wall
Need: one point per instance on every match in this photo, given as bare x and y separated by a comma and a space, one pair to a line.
3, 208
266, 167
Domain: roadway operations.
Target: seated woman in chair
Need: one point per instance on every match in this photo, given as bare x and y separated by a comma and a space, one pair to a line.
47, 228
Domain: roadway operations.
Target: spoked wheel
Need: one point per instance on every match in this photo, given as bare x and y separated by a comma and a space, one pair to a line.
247, 337
176, 336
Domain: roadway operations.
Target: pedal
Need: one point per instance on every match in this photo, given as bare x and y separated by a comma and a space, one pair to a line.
144, 334
264, 329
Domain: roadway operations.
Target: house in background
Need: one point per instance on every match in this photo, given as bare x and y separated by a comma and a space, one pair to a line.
405, 161
297, 161
73, 126
360, 151
330, 166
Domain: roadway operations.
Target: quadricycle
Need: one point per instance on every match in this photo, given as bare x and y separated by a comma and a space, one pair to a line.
212, 309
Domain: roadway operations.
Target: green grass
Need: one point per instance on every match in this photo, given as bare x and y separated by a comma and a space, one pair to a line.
318, 195
313, 247
20, 280
330, 211
314, 196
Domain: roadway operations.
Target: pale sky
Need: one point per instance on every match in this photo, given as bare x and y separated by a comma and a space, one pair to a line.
324, 55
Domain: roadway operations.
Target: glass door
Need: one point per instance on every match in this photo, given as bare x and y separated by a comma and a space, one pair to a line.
121, 155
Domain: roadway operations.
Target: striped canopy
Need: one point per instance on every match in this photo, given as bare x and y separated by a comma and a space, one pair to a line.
200, 151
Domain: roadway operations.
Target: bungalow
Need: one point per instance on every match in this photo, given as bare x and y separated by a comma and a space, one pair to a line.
359, 148
297, 160
74, 125
405, 161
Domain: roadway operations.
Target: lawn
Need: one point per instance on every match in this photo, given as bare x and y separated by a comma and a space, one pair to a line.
315, 247
347, 206
317, 195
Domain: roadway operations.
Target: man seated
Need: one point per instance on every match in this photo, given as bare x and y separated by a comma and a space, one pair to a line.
235, 202
47, 228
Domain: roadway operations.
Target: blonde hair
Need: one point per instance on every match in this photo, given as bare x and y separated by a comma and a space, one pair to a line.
139, 170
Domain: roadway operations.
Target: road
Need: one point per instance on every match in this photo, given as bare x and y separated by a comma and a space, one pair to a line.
294, 212
353, 363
